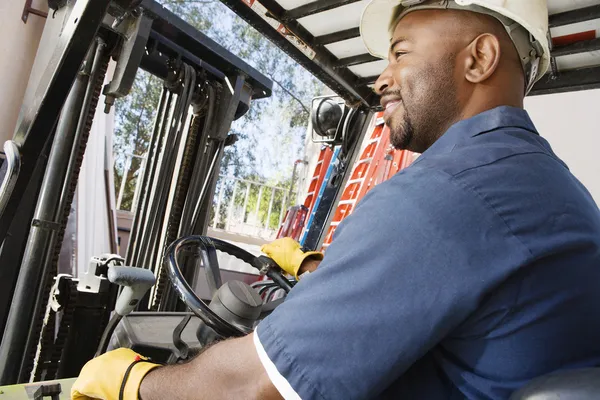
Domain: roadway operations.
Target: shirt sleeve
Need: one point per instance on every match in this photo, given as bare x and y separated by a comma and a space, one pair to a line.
406, 268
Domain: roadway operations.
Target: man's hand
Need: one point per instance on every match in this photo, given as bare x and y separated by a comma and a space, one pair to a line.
106, 376
287, 253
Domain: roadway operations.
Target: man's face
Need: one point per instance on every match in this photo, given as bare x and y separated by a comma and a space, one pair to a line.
418, 87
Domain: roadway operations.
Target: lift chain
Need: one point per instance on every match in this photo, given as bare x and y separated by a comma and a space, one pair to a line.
183, 182
64, 214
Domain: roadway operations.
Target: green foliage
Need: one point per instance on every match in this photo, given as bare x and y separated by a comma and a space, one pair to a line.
134, 121
251, 203
271, 134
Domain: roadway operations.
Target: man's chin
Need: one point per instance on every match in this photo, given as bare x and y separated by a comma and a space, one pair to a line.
399, 139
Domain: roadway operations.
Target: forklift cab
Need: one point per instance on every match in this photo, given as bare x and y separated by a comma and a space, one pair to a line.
51, 323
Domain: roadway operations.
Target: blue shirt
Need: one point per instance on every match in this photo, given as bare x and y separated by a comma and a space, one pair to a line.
466, 275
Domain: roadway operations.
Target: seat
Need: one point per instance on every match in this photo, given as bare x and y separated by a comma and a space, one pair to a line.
582, 384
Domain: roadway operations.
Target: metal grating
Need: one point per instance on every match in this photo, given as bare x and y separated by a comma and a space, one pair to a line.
323, 36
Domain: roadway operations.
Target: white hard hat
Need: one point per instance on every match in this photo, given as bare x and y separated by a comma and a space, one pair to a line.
526, 22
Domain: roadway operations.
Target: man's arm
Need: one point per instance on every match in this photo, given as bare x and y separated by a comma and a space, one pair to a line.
309, 265
227, 370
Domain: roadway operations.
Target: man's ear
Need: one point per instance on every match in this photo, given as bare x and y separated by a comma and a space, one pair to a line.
483, 58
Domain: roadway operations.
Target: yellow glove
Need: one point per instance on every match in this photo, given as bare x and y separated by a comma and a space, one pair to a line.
106, 376
287, 253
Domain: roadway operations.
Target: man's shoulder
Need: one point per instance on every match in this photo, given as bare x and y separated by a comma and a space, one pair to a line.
510, 147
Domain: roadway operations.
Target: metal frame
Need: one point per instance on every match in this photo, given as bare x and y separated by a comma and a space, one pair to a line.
342, 80
173, 34
333, 192
28, 9
38, 119
314, 8
335, 73
158, 32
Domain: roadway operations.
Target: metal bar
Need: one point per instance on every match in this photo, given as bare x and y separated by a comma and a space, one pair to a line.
231, 205
164, 189
332, 194
230, 97
267, 223
577, 47
194, 198
176, 30
574, 16
126, 167
28, 9
219, 201
12, 349
13, 166
321, 64
315, 8
13, 247
369, 80
337, 36
138, 187
139, 219
39, 117
569, 81
355, 60
257, 208
97, 73
232, 178
248, 186
171, 48
283, 209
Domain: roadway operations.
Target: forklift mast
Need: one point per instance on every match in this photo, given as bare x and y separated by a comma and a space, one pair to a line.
51, 323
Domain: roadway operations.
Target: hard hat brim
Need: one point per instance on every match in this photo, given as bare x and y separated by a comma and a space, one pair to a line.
374, 26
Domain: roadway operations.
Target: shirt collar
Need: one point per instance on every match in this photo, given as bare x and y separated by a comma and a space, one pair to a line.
487, 121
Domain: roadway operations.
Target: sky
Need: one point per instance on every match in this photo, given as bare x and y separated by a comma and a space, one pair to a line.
275, 144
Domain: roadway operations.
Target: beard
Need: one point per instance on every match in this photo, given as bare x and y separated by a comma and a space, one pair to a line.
402, 133
429, 107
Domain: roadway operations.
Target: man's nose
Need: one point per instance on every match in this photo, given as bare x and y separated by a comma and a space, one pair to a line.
385, 81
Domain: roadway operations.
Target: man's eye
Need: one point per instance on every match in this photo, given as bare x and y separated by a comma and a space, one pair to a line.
399, 54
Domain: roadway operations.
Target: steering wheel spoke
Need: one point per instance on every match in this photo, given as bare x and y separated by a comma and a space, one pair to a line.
208, 253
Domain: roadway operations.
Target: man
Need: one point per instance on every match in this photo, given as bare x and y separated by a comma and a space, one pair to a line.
466, 275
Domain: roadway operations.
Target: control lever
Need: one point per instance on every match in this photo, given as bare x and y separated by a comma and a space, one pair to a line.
135, 282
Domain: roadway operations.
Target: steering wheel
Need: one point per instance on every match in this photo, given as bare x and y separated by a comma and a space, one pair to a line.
208, 254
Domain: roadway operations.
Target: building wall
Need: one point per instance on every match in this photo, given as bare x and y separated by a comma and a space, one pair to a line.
18, 45
571, 123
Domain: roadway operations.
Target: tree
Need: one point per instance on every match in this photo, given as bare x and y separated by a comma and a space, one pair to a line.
271, 134
134, 121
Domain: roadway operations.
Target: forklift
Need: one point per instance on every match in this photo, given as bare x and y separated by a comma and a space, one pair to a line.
167, 298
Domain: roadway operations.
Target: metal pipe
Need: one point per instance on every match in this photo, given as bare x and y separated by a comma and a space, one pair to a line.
283, 209
258, 200
154, 215
197, 186
138, 187
139, 219
205, 185
219, 201
31, 274
126, 167
267, 224
231, 206
13, 166
96, 71
294, 173
248, 186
